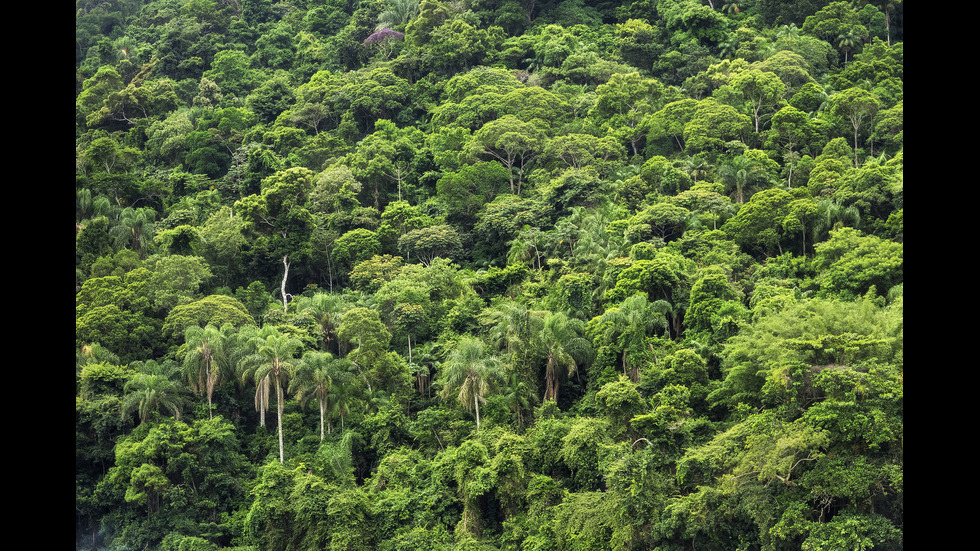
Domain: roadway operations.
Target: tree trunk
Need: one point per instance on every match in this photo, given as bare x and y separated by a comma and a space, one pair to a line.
280, 405
323, 408
476, 401
210, 387
285, 274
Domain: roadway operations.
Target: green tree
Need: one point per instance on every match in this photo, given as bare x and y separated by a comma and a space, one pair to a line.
759, 224
751, 169
623, 103
857, 106
762, 90
135, 229
321, 377
431, 242
273, 363
712, 125
216, 310
850, 264
627, 326
280, 213
559, 341
670, 121
151, 391
206, 362
471, 374
362, 330
513, 142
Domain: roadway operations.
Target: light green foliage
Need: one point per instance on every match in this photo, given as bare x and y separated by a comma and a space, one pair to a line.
857, 107
716, 308
624, 102
815, 331
513, 142
371, 274
669, 122
623, 330
582, 450
366, 337
356, 246
215, 310
620, 401
550, 275
760, 224
466, 191
638, 42
426, 244
176, 279
851, 264
663, 177
761, 90
115, 312
154, 467
712, 125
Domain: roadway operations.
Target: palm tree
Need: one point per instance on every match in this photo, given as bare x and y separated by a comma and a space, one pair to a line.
526, 246
518, 397
848, 41
696, 166
151, 391
320, 376
206, 359
740, 175
326, 309
471, 374
559, 340
789, 31
135, 229
240, 347
629, 324
422, 366
272, 366
398, 13
509, 326
832, 214
94, 353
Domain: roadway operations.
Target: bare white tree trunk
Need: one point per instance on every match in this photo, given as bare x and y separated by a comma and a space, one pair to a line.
285, 274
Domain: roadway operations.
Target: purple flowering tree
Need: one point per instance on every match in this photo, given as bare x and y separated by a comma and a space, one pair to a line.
384, 41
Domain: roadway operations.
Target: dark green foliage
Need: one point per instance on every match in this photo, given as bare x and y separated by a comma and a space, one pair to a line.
531, 275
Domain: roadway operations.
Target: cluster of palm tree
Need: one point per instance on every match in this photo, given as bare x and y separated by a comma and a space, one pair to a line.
266, 357
521, 349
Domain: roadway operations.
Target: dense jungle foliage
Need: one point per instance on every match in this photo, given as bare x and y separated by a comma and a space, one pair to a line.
489, 274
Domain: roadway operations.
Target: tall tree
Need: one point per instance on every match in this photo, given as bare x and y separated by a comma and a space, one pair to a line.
762, 90
511, 141
624, 102
628, 325
319, 376
857, 106
559, 340
273, 364
471, 374
206, 360
280, 213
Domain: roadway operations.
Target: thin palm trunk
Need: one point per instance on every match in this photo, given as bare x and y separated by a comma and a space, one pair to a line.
281, 407
476, 403
323, 408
